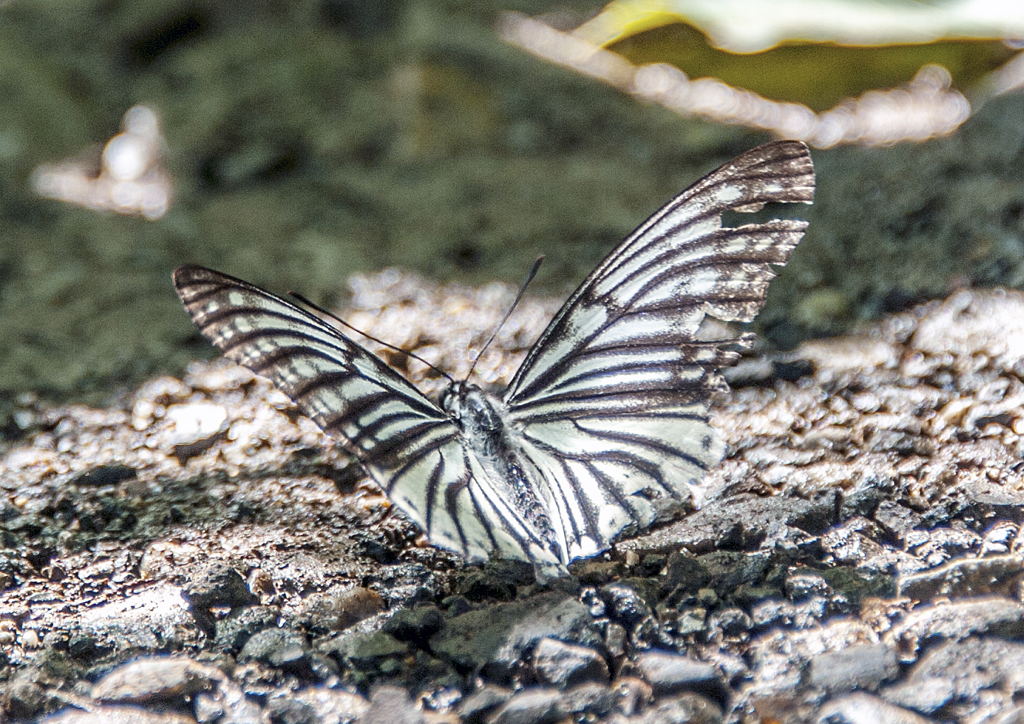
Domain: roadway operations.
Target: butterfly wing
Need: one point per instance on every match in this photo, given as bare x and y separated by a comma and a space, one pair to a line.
611, 403
407, 445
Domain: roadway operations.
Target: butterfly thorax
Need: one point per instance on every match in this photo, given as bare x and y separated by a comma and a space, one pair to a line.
490, 440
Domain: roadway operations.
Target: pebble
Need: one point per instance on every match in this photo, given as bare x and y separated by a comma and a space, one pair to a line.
116, 715
560, 664
415, 625
590, 699
955, 620
493, 640
531, 706
218, 584
671, 673
861, 708
964, 577
157, 677
683, 709
483, 700
277, 647
863, 666
631, 694
391, 705
338, 610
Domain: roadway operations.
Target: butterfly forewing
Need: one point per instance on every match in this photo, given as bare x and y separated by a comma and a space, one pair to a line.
612, 401
409, 446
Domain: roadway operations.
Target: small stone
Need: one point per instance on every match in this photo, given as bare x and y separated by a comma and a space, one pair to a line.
372, 651
559, 664
631, 694
23, 697
237, 627
116, 715
218, 585
992, 615
857, 667
671, 673
480, 586
625, 605
530, 706
158, 677
861, 708
615, 639
493, 640
391, 705
684, 709
924, 695
336, 611
415, 625
805, 584
965, 577
485, 699
591, 698
332, 705
277, 647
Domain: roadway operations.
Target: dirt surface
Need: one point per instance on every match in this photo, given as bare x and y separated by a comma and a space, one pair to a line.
861, 552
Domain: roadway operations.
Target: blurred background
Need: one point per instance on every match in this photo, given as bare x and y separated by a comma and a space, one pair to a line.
302, 142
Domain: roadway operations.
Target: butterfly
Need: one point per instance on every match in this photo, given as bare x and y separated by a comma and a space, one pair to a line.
605, 421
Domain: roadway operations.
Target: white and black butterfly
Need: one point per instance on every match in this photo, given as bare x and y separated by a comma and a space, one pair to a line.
606, 417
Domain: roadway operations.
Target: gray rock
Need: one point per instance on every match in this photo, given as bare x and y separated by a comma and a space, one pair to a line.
333, 705
530, 706
802, 585
232, 631
672, 673
964, 577
972, 665
858, 667
415, 625
318, 704
683, 709
277, 647
994, 615
560, 664
615, 639
591, 698
483, 700
391, 705
116, 715
861, 708
23, 697
631, 694
922, 694
158, 677
155, 618
218, 585
490, 641
625, 605
368, 652
335, 610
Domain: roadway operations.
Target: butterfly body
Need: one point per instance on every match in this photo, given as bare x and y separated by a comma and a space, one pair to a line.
603, 426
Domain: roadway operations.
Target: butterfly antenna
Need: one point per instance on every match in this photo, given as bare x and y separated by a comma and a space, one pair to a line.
346, 325
522, 290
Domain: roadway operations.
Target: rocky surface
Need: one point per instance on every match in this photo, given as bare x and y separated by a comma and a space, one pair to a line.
201, 552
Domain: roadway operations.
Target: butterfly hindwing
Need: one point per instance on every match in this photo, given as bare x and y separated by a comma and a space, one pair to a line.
612, 400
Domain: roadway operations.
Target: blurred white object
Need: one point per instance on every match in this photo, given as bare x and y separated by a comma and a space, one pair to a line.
130, 178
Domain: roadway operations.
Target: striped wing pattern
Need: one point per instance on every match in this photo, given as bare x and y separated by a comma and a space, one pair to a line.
407, 445
611, 402
606, 420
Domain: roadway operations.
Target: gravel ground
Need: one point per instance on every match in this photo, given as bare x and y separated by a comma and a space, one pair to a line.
200, 552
